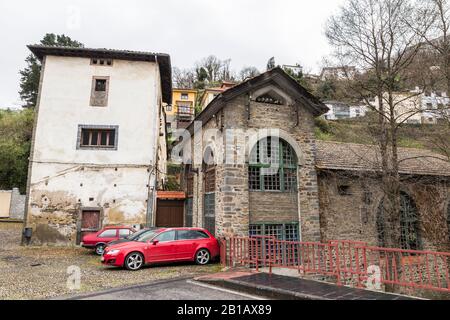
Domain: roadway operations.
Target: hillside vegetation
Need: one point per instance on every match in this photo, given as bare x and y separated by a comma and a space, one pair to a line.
432, 137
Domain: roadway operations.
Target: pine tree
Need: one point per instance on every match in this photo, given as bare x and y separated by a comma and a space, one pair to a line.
30, 76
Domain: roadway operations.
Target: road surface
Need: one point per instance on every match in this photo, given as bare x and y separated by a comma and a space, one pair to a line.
175, 289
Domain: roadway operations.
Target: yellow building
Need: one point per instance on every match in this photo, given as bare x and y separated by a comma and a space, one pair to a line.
182, 110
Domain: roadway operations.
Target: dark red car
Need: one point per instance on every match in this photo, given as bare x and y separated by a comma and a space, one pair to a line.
100, 239
164, 245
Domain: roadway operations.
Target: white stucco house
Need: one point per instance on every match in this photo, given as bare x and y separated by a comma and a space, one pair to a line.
419, 107
340, 110
98, 149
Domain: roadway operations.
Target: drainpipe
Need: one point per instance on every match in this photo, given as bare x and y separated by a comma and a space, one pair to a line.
152, 180
150, 202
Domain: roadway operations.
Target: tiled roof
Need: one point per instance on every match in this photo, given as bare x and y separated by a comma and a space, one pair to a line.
162, 59
357, 157
275, 75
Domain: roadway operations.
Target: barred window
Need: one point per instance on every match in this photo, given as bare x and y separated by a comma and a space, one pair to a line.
287, 232
189, 181
210, 179
272, 166
409, 224
188, 221
448, 219
274, 230
210, 212
255, 230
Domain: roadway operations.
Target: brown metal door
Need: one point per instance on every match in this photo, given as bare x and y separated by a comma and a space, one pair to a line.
90, 222
169, 213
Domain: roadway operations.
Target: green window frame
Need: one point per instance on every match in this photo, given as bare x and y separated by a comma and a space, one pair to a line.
448, 219
263, 176
409, 224
281, 231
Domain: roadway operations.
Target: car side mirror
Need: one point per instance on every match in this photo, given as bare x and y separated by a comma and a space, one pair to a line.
155, 242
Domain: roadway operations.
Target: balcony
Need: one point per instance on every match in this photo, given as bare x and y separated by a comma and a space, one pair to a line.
185, 115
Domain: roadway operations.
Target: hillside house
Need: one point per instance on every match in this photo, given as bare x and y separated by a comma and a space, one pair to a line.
98, 148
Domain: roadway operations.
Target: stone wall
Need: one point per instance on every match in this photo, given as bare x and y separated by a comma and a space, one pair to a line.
12, 204
17, 208
236, 207
353, 216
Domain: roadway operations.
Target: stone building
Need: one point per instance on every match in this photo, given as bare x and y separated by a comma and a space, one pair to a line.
98, 144
351, 196
12, 204
254, 167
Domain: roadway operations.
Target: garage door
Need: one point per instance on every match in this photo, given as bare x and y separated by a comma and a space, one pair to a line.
169, 213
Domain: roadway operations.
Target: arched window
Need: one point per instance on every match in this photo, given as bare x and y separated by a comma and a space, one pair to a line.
209, 185
188, 211
272, 166
409, 224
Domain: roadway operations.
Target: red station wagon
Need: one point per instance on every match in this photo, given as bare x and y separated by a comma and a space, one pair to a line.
100, 239
164, 245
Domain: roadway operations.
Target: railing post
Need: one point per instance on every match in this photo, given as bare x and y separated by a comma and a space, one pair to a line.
257, 255
357, 267
270, 256
338, 264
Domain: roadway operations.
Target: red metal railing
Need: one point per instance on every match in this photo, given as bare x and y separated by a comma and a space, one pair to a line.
352, 263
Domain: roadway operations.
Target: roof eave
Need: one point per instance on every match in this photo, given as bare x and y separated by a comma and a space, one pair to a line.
162, 59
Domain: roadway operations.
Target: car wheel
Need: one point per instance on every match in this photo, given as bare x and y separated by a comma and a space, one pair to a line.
99, 249
202, 257
134, 261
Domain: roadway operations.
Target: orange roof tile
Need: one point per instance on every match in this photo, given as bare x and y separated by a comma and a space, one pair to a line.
171, 195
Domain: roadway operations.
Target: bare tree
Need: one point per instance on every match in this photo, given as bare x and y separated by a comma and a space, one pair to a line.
184, 78
436, 52
377, 37
437, 38
248, 72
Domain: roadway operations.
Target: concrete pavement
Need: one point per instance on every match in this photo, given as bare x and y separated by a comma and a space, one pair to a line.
175, 289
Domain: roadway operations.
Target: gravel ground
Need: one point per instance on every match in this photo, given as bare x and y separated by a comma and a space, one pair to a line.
41, 272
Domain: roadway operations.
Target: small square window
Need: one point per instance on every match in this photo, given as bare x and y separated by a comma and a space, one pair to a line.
101, 62
99, 91
100, 85
344, 190
184, 96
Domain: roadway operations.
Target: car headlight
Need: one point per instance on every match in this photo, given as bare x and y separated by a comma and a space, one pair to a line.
113, 252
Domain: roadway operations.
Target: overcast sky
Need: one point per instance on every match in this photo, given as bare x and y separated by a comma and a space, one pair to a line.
247, 31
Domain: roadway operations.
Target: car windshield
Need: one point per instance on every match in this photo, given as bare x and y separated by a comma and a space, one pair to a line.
145, 236
137, 234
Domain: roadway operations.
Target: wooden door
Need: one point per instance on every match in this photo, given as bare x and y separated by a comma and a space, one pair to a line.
169, 213
90, 222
